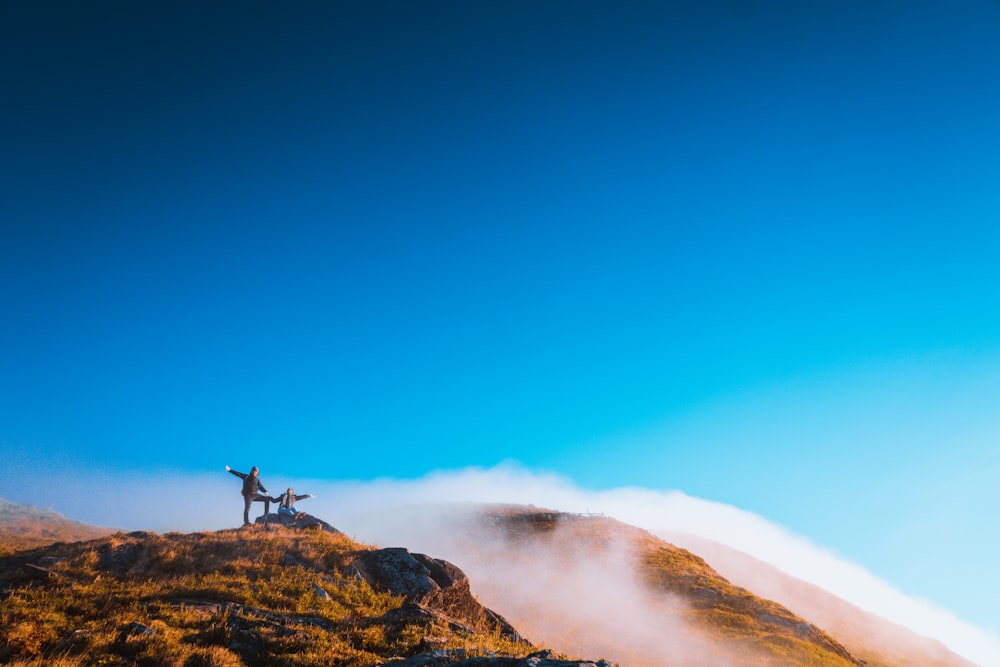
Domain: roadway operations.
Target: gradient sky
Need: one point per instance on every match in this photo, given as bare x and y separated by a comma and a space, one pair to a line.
744, 249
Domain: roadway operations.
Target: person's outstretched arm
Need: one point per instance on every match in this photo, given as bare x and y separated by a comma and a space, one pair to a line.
304, 496
238, 474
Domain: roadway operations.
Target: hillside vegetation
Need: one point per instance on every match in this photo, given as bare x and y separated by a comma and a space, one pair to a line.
875, 640
257, 596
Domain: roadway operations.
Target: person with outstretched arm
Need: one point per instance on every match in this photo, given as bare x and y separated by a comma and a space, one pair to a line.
286, 503
252, 488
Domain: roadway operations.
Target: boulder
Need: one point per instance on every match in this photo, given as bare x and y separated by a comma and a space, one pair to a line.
305, 521
118, 559
457, 658
431, 583
320, 592
134, 630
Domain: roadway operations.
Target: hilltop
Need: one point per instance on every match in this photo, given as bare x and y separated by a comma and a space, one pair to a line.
264, 595
517, 579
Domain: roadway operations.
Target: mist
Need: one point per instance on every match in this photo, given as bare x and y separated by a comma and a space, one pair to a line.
663, 513
558, 588
365, 511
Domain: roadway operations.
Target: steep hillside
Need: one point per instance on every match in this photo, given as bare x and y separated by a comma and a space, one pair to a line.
25, 526
528, 563
263, 595
675, 592
872, 638
595, 586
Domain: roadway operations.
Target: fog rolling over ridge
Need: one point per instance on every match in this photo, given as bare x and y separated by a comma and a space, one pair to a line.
591, 583
367, 510
587, 583
371, 511
558, 591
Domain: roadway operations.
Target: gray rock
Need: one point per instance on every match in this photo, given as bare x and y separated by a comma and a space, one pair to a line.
134, 630
429, 583
289, 559
305, 522
119, 559
320, 593
457, 658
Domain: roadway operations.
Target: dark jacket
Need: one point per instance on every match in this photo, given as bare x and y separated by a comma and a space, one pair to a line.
251, 483
285, 500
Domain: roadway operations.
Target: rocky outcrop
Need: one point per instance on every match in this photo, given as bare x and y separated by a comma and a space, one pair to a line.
304, 522
428, 584
117, 559
456, 658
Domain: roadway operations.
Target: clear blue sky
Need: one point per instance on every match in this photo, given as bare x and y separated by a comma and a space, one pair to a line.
745, 249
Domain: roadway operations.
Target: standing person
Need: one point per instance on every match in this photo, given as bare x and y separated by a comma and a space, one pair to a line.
252, 487
286, 503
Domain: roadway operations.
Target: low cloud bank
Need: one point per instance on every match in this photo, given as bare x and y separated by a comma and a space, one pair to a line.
206, 502
672, 512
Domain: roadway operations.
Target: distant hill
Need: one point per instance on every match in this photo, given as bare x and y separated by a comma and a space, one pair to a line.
26, 526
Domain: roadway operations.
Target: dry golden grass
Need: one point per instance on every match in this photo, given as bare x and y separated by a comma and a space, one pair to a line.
218, 599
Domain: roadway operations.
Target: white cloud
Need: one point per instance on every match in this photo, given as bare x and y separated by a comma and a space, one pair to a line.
211, 501
673, 511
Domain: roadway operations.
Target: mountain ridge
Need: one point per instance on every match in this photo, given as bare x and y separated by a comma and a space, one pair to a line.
472, 523
579, 584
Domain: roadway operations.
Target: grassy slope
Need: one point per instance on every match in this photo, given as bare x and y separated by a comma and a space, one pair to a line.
198, 593
873, 639
683, 613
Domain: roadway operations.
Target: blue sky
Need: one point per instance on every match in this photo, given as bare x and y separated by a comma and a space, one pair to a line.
741, 249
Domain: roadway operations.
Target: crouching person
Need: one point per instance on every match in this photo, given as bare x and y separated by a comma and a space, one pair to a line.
286, 504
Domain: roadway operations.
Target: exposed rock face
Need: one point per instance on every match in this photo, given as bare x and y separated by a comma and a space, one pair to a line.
134, 630
117, 559
428, 583
446, 658
419, 578
305, 521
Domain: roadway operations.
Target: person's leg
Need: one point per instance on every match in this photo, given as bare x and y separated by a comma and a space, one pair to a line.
285, 511
246, 509
261, 499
